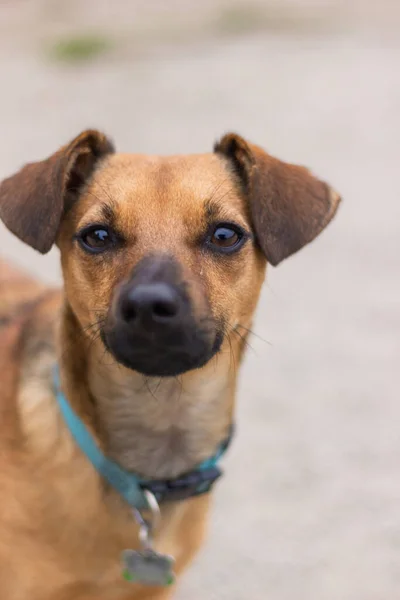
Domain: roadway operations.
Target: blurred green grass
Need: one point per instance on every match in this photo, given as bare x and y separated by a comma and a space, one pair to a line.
80, 48
241, 18
219, 22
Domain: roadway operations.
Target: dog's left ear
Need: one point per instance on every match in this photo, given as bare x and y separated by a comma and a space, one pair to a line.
289, 206
33, 201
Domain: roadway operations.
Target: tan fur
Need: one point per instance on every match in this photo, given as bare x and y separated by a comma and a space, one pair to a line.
62, 529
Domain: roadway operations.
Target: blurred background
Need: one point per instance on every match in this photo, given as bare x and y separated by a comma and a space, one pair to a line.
310, 505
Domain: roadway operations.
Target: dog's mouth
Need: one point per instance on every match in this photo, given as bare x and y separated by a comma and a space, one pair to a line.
169, 355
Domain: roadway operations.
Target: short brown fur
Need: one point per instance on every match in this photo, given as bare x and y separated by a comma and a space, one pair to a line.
62, 530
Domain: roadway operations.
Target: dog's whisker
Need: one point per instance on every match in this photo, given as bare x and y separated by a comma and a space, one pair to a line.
93, 326
232, 355
228, 191
90, 332
178, 379
252, 332
244, 340
149, 389
88, 191
105, 354
218, 187
158, 385
107, 192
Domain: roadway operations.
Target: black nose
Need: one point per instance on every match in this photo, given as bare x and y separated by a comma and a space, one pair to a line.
150, 303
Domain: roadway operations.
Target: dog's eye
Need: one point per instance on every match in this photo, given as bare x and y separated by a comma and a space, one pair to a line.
96, 238
226, 237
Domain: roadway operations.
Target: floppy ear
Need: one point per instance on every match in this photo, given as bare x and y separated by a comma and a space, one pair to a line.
33, 201
289, 206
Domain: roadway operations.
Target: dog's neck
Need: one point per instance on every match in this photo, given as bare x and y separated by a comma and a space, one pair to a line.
158, 428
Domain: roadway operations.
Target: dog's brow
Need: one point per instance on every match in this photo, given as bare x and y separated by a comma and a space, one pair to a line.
214, 206
216, 210
108, 213
211, 209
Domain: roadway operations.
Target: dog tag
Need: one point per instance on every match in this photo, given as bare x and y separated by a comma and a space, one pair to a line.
148, 567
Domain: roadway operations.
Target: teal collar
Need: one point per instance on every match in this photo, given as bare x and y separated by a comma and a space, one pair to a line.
127, 484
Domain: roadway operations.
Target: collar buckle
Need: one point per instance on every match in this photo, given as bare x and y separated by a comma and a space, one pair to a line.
194, 483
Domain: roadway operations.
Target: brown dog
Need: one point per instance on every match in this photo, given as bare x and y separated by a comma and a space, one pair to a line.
163, 260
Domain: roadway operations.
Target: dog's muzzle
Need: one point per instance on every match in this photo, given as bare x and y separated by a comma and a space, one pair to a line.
152, 327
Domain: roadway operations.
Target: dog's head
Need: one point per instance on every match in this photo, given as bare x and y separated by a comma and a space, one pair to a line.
165, 256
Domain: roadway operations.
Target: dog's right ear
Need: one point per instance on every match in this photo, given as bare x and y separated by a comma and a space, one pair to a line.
33, 201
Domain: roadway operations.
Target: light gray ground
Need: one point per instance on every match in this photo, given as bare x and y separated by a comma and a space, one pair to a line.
310, 505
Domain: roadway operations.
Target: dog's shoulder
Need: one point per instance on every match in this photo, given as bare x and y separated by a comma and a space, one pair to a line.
17, 292
28, 316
